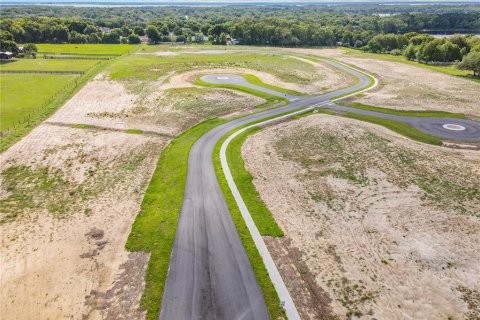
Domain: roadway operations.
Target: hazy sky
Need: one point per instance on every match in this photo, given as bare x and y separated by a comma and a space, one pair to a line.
236, 1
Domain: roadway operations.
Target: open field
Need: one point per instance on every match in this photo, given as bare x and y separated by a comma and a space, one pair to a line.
48, 65
23, 93
376, 225
115, 49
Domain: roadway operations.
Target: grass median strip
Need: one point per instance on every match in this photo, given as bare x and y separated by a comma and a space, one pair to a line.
256, 81
398, 127
154, 228
263, 278
407, 113
270, 99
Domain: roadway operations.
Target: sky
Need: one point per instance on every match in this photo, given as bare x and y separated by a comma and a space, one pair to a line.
234, 1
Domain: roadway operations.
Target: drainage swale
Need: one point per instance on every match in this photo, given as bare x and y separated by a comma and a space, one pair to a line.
454, 127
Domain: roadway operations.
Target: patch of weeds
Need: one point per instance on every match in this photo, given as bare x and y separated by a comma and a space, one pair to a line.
134, 131
83, 126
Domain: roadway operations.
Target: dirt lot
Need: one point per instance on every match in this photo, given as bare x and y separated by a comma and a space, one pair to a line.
376, 225
407, 87
68, 200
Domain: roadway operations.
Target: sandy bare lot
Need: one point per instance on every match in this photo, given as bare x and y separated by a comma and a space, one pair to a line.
407, 87
376, 225
68, 199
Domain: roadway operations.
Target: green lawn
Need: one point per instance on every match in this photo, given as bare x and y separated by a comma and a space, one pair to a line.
20, 94
270, 99
48, 65
113, 49
406, 113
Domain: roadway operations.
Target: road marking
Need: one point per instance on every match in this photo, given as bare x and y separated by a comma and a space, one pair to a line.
294, 99
454, 127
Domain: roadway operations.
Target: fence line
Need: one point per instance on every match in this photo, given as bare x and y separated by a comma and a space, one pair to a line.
62, 57
70, 85
81, 54
43, 72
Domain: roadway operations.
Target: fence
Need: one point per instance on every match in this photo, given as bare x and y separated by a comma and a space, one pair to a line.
81, 54
69, 57
43, 72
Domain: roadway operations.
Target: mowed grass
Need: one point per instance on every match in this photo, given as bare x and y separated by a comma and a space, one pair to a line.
154, 228
23, 93
262, 216
106, 49
406, 113
270, 99
41, 64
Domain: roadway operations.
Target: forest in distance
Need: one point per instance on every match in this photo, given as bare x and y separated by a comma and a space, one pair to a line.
373, 28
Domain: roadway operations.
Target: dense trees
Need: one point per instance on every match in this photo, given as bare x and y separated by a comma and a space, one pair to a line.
471, 62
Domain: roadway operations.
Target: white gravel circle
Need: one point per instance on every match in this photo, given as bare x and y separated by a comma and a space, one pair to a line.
222, 78
454, 127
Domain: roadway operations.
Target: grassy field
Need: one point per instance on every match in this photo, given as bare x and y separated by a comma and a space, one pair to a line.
23, 93
151, 67
114, 49
154, 228
49, 65
407, 113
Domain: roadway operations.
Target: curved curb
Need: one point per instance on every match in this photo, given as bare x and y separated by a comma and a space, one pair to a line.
275, 276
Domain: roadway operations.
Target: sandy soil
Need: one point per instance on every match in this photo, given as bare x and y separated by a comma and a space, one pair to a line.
63, 255
376, 225
407, 87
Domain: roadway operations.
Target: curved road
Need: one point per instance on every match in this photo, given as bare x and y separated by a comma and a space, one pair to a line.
210, 276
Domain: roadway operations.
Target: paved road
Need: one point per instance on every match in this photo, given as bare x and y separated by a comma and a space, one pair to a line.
210, 276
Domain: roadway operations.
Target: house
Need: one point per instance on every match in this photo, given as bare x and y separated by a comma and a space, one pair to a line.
6, 55
232, 41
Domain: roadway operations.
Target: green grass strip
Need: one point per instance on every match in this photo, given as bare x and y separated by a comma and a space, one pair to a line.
266, 285
263, 218
154, 228
270, 99
398, 127
407, 113
256, 81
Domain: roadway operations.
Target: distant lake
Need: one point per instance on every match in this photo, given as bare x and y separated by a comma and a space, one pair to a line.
451, 34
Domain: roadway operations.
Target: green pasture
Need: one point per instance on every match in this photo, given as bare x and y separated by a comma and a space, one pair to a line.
20, 94
114, 49
41, 64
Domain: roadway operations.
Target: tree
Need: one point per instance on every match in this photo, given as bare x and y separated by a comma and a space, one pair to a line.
410, 52
152, 34
471, 62
138, 31
8, 45
133, 39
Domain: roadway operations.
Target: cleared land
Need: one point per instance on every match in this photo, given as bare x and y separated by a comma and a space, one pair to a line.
376, 225
70, 190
